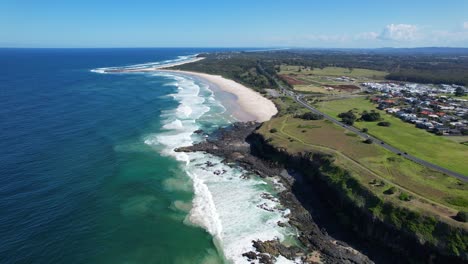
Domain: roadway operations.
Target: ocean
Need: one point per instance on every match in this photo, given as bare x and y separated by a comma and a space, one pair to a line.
88, 168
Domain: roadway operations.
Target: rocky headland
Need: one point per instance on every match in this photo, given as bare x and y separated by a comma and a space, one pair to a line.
233, 145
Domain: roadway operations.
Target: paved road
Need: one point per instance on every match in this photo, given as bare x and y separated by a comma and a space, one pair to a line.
299, 98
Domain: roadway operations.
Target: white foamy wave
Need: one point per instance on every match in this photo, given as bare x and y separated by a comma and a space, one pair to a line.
233, 208
176, 124
148, 65
228, 206
98, 70
204, 212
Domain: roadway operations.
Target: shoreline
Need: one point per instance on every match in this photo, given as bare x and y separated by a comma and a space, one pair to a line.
256, 106
314, 244
173, 64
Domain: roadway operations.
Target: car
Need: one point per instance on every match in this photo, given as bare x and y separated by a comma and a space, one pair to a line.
405, 153
381, 142
399, 154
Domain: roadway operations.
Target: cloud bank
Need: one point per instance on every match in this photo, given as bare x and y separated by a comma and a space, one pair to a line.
391, 35
399, 32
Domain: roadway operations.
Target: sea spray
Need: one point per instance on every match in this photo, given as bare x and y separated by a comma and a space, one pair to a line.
228, 201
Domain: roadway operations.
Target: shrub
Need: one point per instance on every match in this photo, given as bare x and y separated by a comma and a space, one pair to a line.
462, 216
390, 191
273, 130
368, 141
404, 197
365, 130
384, 124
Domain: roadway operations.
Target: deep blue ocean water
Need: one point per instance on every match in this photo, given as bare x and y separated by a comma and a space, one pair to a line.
78, 184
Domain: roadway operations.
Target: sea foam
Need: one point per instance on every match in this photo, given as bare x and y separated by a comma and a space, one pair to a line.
227, 202
147, 65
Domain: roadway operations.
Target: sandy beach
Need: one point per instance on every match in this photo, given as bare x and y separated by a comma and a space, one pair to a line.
253, 106
253, 103
176, 63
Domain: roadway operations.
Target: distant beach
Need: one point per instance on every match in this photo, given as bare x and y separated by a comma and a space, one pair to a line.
255, 106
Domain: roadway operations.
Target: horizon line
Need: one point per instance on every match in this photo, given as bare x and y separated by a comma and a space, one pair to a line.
240, 47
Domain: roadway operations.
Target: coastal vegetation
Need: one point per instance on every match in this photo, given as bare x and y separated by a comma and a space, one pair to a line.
240, 67
368, 161
425, 205
396, 191
402, 135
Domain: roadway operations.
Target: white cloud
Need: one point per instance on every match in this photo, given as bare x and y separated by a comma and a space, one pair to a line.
366, 36
392, 35
399, 32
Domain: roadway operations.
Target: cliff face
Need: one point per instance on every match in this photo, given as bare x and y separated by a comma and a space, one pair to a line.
333, 211
416, 238
317, 245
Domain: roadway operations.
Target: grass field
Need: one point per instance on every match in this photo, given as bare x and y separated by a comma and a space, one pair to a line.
404, 136
319, 80
335, 72
435, 191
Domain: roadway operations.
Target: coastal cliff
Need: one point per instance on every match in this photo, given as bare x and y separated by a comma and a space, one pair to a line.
412, 237
331, 209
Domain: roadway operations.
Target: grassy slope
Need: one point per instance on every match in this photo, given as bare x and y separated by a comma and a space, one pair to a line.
405, 136
368, 162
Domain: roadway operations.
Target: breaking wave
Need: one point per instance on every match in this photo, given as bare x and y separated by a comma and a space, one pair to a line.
147, 65
232, 205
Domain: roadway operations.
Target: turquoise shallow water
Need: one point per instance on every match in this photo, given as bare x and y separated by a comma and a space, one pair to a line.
88, 169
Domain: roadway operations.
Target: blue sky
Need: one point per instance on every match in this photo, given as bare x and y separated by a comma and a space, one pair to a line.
240, 23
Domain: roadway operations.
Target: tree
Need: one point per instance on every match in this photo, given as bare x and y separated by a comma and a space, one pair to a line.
459, 91
347, 117
310, 116
370, 117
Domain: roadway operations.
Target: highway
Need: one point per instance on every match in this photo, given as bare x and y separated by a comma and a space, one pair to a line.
300, 99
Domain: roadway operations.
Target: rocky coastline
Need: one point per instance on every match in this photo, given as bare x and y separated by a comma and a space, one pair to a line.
232, 144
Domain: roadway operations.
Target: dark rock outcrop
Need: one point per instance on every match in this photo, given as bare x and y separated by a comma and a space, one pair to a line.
232, 144
312, 200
